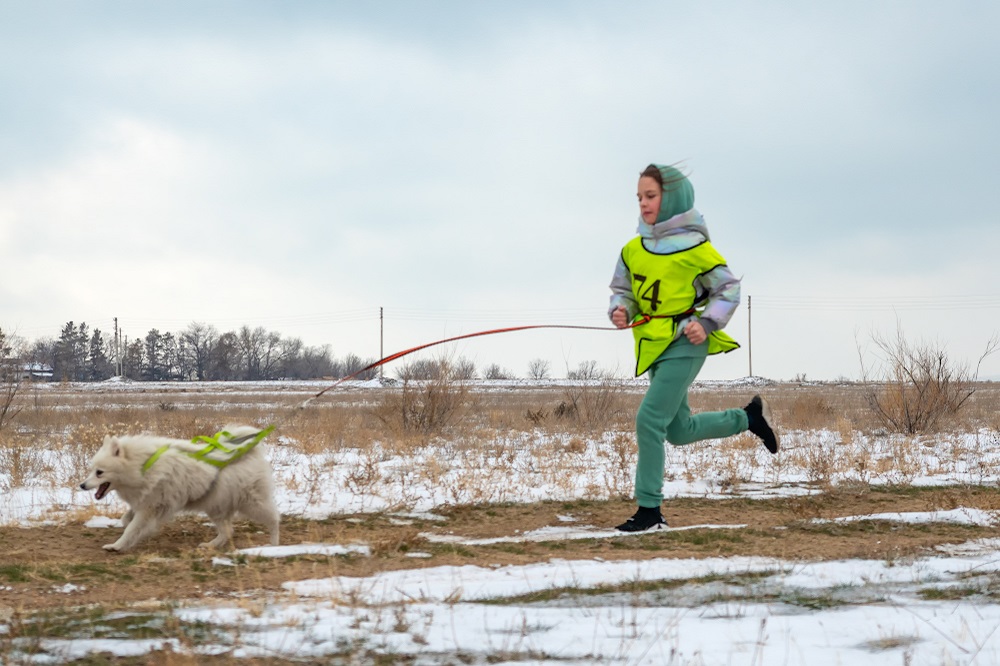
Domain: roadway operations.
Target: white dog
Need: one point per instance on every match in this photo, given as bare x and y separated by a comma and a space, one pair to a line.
158, 477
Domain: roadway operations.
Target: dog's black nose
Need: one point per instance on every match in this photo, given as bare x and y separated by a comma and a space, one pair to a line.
83, 486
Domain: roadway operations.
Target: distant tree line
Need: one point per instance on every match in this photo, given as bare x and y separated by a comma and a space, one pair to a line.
199, 352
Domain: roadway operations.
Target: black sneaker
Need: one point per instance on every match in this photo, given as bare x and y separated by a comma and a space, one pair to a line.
762, 423
644, 519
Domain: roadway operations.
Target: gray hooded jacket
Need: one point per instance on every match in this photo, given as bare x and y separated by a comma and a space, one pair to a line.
718, 290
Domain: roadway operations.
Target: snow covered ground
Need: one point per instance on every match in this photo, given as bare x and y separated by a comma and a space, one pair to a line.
741, 610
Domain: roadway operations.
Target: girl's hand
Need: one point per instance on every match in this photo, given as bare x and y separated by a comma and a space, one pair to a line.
695, 333
619, 317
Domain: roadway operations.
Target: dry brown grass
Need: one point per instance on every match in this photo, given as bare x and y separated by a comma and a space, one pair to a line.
471, 439
350, 414
21, 461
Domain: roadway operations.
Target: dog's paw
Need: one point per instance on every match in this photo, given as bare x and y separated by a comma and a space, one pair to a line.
208, 545
111, 547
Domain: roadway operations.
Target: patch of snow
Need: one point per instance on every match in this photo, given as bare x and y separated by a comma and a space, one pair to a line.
306, 549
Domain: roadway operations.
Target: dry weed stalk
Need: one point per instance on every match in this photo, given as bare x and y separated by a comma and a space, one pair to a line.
863, 462
739, 459
363, 477
899, 465
619, 475
821, 463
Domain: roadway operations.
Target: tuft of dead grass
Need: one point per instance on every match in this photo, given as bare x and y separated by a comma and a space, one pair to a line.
20, 462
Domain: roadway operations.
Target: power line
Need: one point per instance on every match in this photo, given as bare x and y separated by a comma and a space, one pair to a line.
878, 303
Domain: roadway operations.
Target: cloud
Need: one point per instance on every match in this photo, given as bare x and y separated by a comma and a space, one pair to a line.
186, 163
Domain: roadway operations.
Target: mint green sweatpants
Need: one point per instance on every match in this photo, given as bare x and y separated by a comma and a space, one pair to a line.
664, 415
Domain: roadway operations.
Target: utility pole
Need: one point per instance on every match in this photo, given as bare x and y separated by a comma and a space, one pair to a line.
381, 340
118, 356
750, 332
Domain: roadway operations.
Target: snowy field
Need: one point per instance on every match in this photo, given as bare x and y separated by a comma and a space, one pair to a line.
865, 613
742, 610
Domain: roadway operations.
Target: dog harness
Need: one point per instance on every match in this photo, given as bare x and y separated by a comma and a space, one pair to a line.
220, 450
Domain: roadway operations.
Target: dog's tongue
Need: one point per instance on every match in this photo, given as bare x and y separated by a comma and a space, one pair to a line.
101, 490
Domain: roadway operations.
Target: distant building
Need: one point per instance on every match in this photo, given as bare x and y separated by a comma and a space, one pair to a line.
36, 371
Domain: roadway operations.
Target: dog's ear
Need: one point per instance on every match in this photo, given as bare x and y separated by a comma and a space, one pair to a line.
116, 448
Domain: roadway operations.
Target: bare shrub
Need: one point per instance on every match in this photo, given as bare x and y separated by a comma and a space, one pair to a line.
820, 463
597, 405
463, 369
443, 367
586, 370
494, 371
419, 369
537, 417
539, 368
427, 406
918, 385
362, 478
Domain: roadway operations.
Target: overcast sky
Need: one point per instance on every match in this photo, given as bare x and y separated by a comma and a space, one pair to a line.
471, 165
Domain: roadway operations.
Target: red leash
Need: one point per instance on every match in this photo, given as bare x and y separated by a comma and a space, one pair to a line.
645, 319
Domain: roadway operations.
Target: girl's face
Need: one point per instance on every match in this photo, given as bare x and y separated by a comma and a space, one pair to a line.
650, 196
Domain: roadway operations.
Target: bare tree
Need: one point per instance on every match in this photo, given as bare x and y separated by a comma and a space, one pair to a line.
11, 369
353, 364
463, 369
224, 358
311, 363
273, 356
587, 370
41, 352
198, 339
420, 369
260, 352
494, 371
917, 385
539, 369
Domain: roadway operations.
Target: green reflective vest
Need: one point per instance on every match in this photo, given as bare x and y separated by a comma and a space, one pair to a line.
663, 286
220, 449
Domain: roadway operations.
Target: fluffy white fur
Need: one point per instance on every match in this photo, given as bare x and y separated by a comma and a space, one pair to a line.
177, 482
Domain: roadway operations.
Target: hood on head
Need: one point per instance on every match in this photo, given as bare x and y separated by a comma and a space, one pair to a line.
678, 193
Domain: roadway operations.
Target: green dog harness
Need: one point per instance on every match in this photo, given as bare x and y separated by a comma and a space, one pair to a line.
220, 450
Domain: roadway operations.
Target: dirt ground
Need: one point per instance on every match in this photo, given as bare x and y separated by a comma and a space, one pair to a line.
54, 566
